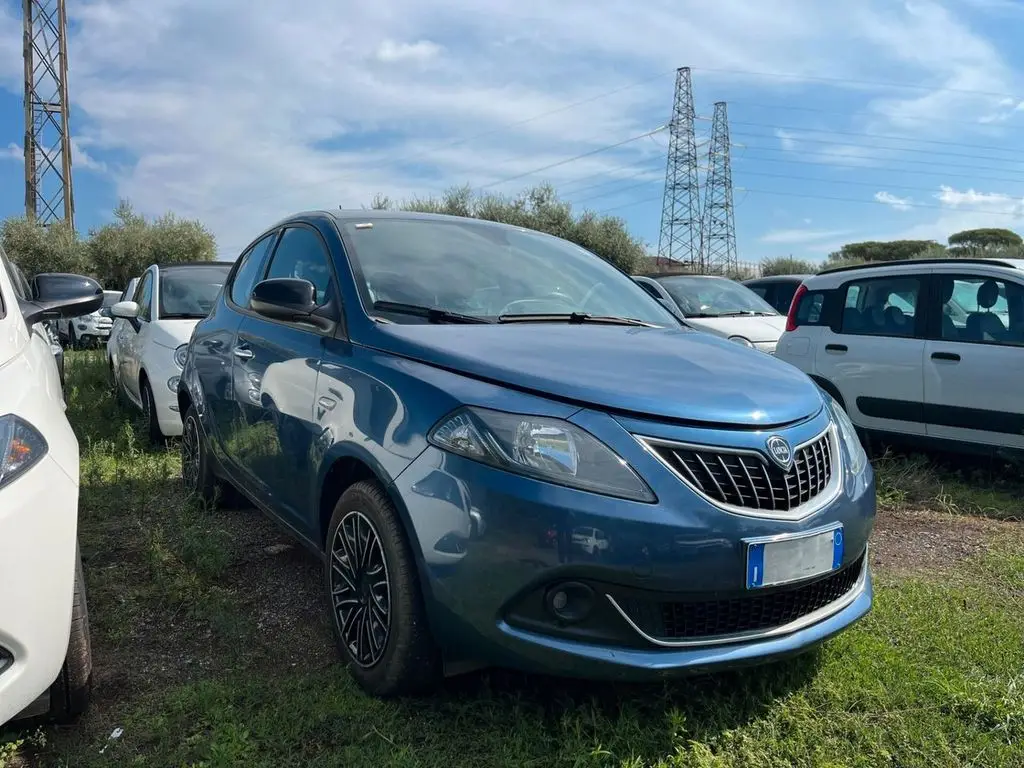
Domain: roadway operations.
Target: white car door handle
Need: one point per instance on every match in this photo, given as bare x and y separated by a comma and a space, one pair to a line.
327, 403
243, 353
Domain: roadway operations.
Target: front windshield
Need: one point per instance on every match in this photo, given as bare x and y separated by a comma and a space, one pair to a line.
190, 292
486, 271
714, 297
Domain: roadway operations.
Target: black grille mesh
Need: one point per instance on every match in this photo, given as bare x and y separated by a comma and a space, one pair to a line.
751, 612
749, 480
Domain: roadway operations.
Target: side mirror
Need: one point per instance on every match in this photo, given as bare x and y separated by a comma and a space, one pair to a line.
289, 299
129, 310
58, 295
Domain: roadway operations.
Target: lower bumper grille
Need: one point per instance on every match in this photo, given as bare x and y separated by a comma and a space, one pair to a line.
750, 613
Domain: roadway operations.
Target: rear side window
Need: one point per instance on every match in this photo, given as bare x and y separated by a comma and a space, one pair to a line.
881, 306
249, 271
811, 310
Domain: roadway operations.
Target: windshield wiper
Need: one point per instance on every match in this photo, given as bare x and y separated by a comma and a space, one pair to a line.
573, 318
742, 313
432, 314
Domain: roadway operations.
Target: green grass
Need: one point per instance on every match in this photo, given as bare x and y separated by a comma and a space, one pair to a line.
211, 652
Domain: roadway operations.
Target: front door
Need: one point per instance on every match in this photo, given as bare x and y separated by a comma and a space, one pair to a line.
875, 358
276, 363
974, 360
136, 333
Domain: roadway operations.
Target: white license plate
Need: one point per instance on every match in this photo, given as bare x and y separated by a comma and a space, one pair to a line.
781, 560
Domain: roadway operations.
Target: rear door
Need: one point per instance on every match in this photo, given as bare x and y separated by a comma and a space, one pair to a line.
874, 351
974, 357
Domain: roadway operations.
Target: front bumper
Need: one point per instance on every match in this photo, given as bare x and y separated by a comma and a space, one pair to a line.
38, 534
489, 595
163, 377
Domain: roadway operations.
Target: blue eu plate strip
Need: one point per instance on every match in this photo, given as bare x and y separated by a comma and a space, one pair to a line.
837, 548
755, 565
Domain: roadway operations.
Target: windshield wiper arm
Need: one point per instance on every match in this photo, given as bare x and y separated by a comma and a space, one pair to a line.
738, 313
573, 318
431, 314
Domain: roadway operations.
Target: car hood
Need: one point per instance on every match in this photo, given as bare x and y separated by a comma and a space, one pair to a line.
172, 333
666, 373
755, 329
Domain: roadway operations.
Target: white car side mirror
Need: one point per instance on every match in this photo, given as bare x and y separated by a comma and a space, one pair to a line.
126, 309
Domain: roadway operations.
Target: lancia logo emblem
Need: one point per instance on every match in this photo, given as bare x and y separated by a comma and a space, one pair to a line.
780, 452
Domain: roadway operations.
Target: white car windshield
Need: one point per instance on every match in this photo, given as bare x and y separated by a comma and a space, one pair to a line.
485, 271
714, 297
190, 292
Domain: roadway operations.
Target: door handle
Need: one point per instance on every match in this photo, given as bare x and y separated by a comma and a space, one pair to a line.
327, 403
243, 353
953, 357
835, 348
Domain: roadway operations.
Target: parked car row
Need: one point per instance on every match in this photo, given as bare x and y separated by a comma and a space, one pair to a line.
505, 451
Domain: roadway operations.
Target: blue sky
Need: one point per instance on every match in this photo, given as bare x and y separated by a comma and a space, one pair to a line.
850, 119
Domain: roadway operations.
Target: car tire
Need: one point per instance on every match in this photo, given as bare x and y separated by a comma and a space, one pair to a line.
153, 433
397, 655
70, 693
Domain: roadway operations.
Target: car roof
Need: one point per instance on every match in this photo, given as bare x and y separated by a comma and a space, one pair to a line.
877, 269
778, 279
656, 275
183, 264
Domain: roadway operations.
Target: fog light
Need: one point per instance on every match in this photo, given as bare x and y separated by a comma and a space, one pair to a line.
172, 383
570, 601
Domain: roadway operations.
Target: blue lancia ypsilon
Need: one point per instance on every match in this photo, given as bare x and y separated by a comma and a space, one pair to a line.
508, 453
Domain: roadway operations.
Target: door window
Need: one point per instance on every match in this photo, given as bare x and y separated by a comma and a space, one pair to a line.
881, 306
144, 297
301, 254
249, 271
981, 310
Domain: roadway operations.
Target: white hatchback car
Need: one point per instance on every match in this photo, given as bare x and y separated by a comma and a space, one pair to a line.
931, 349
720, 306
89, 329
45, 655
147, 350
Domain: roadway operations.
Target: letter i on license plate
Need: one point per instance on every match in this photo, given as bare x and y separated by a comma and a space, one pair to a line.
774, 560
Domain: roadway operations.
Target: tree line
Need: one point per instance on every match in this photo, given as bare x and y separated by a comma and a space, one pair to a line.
986, 242
122, 249
113, 253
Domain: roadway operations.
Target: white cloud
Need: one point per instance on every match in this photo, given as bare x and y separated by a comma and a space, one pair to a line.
421, 50
240, 112
801, 236
981, 202
13, 152
898, 203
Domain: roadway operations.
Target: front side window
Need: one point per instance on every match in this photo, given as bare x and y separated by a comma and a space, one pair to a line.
981, 309
190, 292
479, 269
714, 297
144, 297
249, 271
881, 306
301, 254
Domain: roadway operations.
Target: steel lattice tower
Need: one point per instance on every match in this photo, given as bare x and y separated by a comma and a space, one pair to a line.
48, 195
680, 239
718, 225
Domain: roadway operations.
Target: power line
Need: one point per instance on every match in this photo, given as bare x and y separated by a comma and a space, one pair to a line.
856, 113
852, 81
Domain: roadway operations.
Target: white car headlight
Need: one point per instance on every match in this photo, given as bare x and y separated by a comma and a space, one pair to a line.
848, 434
179, 355
21, 447
741, 340
541, 447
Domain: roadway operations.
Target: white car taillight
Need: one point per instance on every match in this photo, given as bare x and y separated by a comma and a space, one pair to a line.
21, 447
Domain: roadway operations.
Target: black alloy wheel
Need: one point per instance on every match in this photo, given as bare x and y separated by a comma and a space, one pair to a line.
360, 589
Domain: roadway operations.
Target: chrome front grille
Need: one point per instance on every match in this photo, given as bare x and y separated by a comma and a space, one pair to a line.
749, 480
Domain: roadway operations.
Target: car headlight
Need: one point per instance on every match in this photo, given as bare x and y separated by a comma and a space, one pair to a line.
741, 340
179, 355
21, 447
541, 447
848, 434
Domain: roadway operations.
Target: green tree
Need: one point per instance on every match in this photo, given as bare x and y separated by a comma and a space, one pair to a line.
538, 208
985, 242
123, 249
36, 248
892, 250
787, 265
